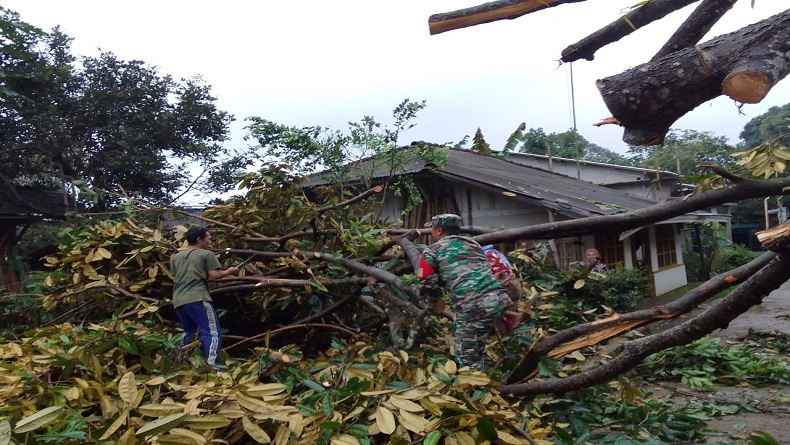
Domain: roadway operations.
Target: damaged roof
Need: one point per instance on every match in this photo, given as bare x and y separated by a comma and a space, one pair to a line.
562, 194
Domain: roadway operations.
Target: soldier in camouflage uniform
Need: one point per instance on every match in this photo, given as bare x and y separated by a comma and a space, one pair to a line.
459, 266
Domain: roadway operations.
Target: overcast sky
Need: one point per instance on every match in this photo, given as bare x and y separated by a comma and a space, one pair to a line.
328, 62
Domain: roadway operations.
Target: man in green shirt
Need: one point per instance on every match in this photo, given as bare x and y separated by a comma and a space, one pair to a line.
192, 267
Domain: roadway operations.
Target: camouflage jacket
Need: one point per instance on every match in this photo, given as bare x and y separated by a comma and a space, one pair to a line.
459, 266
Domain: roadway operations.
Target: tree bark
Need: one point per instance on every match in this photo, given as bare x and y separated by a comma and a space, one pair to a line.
638, 18
717, 316
550, 346
696, 26
745, 65
488, 12
662, 211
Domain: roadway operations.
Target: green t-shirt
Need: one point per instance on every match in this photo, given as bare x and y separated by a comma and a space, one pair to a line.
190, 271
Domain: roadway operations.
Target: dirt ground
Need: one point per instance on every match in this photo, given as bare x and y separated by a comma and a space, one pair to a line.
773, 403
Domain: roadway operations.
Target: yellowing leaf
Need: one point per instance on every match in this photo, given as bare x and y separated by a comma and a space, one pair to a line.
101, 252
160, 409
156, 381
578, 284
256, 432
385, 420
412, 422
173, 439
127, 388
37, 420
127, 438
405, 405
207, 422
344, 439
265, 390
450, 367
197, 438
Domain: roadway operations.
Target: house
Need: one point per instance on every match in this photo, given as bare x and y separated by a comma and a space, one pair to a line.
489, 191
653, 184
20, 208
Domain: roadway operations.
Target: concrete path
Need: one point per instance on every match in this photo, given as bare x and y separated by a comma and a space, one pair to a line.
770, 316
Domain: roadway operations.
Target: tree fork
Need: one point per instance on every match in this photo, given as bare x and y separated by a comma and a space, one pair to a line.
648, 99
638, 18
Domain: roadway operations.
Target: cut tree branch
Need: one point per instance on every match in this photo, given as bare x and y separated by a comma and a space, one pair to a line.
488, 12
637, 18
696, 26
717, 316
744, 65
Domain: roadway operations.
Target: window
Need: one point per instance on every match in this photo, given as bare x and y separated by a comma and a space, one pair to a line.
665, 245
611, 249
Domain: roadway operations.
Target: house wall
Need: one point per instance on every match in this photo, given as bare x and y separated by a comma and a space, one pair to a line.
482, 208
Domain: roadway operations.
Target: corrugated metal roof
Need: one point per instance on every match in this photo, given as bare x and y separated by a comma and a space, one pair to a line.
564, 195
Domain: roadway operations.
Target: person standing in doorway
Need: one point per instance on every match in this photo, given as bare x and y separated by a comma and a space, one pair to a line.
192, 268
458, 265
592, 262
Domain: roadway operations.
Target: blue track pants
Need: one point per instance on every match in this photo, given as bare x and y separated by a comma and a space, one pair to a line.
200, 318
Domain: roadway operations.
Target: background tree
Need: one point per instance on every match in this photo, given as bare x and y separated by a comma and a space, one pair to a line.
117, 125
773, 125
684, 151
569, 144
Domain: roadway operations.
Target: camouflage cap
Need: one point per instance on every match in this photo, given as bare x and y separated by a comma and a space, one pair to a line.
445, 220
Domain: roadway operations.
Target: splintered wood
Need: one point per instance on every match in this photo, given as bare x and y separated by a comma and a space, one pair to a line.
775, 238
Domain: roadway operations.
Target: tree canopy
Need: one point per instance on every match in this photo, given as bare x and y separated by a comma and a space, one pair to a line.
116, 125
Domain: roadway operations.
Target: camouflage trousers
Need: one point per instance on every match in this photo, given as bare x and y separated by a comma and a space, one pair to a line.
473, 325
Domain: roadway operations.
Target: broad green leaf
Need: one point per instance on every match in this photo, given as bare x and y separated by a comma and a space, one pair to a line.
38, 419
161, 425
432, 438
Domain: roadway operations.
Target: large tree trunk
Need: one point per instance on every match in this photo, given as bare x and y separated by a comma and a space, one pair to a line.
744, 65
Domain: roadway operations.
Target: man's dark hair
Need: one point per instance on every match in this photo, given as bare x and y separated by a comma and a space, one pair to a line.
451, 230
193, 233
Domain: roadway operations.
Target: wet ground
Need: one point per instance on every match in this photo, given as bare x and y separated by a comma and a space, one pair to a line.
772, 403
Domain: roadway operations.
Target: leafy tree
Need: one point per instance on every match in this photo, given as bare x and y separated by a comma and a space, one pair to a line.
117, 125
310, 149
684, 151
772, 125
569, 144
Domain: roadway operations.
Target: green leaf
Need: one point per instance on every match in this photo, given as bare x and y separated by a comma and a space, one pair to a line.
762, 438
313, 385
161, 425
487, 429
38, 419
